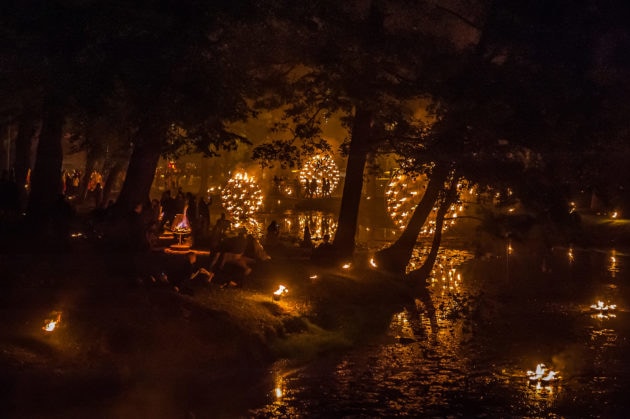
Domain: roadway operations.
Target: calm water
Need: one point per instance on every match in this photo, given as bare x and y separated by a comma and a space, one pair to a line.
495, 319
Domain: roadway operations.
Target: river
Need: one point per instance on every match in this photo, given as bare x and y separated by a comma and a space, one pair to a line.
496, 318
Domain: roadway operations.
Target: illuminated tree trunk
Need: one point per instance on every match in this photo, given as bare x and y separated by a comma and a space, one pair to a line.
141, 171
46, 175
353, 184
419, 276
396, 257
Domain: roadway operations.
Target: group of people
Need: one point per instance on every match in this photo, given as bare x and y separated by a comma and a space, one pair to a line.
226, 266
231, 253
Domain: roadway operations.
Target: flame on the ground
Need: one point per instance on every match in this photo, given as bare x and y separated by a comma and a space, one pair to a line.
346, 266
51, 324
282, 290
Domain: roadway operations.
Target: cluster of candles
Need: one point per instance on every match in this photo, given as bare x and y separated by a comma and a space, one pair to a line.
319, 169
242, 196
403, 194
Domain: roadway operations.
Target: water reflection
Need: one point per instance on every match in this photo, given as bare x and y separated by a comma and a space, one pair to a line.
292, 223
471, 356
612, 266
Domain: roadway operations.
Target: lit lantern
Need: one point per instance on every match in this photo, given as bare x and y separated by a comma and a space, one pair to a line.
319, 177
280, 292
242, 197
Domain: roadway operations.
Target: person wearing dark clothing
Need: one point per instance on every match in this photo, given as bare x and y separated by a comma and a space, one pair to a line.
218, 232
192, 276
307, 241
137, 229
98, 195
273, 233
203, 217
232, 252
169, 208
324, 251
61, 218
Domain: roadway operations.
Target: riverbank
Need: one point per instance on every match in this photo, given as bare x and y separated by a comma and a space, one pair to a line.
129, 350
141, 350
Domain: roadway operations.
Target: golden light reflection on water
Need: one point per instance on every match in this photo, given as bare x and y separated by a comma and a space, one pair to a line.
319, 223
612, 263
432, 358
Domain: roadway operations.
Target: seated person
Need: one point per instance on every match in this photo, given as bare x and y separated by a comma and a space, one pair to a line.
232, 251
192, 276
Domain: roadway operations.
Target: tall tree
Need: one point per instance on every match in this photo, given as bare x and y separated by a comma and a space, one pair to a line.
369, 62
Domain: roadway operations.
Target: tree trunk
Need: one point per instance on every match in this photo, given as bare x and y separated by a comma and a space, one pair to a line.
396, 257
419, 276
46, 175
353, 185
203, 183
141, 171
90, 165
112, 177
28, 130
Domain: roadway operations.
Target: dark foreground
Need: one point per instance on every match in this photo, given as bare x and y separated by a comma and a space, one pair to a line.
124, 349
356, 343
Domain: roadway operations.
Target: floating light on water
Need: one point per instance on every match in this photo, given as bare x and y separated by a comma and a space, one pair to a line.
542, 375
241, 197
281, 291
319, 176
612, 267
51, 324
604, 311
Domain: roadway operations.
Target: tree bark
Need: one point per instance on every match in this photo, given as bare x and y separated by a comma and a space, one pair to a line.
28, 130
203, 182
353, 184
112, 177
142, 165
90, 165
46, 175
396, 257
419, 276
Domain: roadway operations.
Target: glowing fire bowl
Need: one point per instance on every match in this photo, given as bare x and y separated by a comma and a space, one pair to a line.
51, 324
543, 376
279, 293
